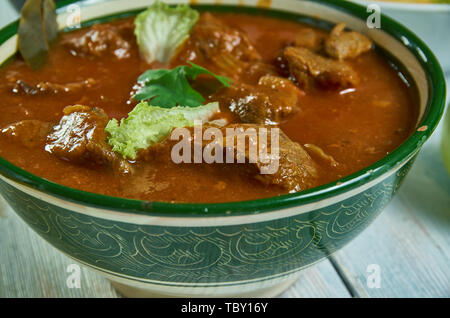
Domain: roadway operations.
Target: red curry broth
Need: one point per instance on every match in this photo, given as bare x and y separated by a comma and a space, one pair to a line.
357, 127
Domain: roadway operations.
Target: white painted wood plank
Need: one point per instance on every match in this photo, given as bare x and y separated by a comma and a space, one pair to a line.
30, 267
318, 281
410, 240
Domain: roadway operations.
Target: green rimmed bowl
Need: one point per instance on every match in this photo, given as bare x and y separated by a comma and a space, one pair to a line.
251, 248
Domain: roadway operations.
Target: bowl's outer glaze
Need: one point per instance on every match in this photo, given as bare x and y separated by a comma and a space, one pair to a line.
256, 250
209, 255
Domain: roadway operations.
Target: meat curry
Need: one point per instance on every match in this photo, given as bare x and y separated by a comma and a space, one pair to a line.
339, 104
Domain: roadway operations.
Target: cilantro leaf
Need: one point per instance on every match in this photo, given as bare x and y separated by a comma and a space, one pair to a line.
169, 88
196, 70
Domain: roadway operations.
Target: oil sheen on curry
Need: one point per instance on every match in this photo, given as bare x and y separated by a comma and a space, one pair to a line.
339, 105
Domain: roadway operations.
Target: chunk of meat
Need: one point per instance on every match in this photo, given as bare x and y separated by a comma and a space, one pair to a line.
30, 133
309, 68
283, 163
80, 138
271, 101
100, 40
219, 47
295, 171
43, 88
343, 44
254, 71
310, 39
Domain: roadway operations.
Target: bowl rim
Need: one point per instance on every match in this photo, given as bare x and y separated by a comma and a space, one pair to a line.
433, 113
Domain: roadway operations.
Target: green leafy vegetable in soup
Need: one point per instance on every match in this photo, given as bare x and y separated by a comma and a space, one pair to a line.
161, 29
147, 125
169, 88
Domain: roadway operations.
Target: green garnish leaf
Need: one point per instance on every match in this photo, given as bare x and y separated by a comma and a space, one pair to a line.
196, 70
147, 125
169, 88
37, 30
161, 29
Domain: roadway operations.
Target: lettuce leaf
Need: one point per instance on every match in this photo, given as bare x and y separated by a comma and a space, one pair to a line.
161, 29
147, 125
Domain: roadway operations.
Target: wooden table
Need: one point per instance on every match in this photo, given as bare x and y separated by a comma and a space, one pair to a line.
408, 244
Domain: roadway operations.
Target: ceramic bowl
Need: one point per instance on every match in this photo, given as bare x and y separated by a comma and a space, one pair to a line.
251, 248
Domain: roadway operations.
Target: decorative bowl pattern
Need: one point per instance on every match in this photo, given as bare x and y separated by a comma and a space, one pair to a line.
231, 249
198, 255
